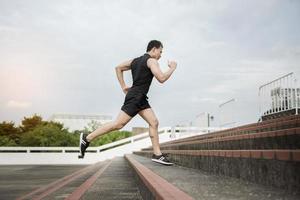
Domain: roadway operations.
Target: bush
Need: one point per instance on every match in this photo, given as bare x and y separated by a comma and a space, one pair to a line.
36, 132
6, 141
10, 133
111, 137
48, 135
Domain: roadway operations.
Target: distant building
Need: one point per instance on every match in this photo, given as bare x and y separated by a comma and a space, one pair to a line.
78, 122
203, 120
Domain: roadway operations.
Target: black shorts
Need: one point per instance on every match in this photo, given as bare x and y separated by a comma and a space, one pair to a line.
134, 103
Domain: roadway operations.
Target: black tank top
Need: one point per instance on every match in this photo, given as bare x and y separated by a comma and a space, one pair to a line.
141, 75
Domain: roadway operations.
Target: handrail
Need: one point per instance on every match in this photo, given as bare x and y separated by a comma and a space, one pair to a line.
279, 95
289, 74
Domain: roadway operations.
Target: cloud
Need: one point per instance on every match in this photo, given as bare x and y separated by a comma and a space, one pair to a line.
56, 52
214, 44
18, 104
204, 100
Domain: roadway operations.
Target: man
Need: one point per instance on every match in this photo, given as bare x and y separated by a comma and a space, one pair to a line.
143, 69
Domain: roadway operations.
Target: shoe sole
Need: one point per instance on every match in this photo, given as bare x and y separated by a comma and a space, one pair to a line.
161, 162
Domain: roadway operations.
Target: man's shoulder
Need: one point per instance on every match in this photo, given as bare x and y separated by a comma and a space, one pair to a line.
138, 58
151, 60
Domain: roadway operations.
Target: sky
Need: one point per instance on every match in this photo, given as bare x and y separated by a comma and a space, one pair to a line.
60, 56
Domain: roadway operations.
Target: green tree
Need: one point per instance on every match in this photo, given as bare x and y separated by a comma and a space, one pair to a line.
8, 130
59, 125
6, 141
48, 135
36, 132
30, 123
111, 137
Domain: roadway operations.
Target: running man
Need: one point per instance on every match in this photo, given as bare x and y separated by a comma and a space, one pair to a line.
142, 69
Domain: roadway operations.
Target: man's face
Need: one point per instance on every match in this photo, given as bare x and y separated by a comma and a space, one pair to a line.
158, 52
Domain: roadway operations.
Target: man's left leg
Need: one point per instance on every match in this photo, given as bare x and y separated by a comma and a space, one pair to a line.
122, 119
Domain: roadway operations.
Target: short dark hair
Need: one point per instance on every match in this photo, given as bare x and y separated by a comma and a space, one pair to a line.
154, 43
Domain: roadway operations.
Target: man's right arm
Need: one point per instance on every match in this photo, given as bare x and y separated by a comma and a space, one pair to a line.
124, 66
156, 71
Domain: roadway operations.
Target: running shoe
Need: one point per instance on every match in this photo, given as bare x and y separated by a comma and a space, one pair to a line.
162, 159
83, 145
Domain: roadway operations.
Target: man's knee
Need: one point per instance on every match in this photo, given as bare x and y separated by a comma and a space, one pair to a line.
154, 123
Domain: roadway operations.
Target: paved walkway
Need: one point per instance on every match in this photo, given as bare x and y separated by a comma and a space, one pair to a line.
18, 180
116, 182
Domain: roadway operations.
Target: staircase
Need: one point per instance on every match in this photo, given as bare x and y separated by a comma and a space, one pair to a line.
266, 153
255, 161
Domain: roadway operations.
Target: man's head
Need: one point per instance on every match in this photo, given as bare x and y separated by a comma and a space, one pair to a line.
154, 49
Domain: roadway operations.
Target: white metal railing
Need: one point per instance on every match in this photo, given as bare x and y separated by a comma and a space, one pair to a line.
281, 94
68, 155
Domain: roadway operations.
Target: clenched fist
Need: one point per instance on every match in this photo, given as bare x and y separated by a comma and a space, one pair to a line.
125, 89
172, 64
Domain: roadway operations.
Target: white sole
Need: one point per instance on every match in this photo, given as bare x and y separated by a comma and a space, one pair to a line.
161, 162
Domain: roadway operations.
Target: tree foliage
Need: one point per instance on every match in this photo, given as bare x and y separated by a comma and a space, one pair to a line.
30, 123
111, 137
48, 135
33, 131
9, 133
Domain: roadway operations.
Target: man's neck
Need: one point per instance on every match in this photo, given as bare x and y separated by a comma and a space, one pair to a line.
150, 54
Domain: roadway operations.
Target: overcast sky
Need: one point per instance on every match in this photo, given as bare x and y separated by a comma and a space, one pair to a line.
59, 56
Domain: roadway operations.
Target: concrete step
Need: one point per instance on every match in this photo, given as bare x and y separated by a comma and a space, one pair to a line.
277, 168
282, 139
279, 124
116, 182
199, 184
60, 188
153, 186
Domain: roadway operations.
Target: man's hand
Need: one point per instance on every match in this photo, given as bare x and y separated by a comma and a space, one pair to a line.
172, 64
125, 89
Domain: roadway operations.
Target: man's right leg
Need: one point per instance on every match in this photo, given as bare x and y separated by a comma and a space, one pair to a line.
122, 119
149, 116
